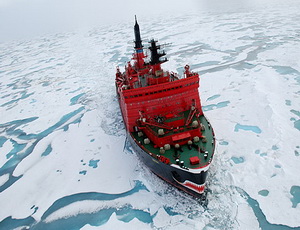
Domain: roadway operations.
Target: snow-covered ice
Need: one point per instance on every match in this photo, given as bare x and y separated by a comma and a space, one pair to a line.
64, 159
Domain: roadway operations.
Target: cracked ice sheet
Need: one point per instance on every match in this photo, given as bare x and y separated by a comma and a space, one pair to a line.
261, 103
252, 92
114, 223
56, 175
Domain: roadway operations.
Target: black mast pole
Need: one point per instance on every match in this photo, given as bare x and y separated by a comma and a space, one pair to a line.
138, 40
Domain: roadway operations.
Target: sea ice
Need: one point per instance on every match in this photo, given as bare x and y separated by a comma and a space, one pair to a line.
62, 136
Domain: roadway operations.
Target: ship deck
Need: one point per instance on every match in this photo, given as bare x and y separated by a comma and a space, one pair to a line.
186, 153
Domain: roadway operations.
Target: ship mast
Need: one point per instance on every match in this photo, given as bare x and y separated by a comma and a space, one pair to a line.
156, 55
137, 35
139, 53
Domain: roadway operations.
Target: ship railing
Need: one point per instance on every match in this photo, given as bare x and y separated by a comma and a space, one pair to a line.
174, 76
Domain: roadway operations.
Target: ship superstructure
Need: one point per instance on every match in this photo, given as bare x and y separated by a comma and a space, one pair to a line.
164, 119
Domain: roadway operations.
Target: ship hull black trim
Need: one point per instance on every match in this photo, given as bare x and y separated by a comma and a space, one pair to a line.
170, 174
